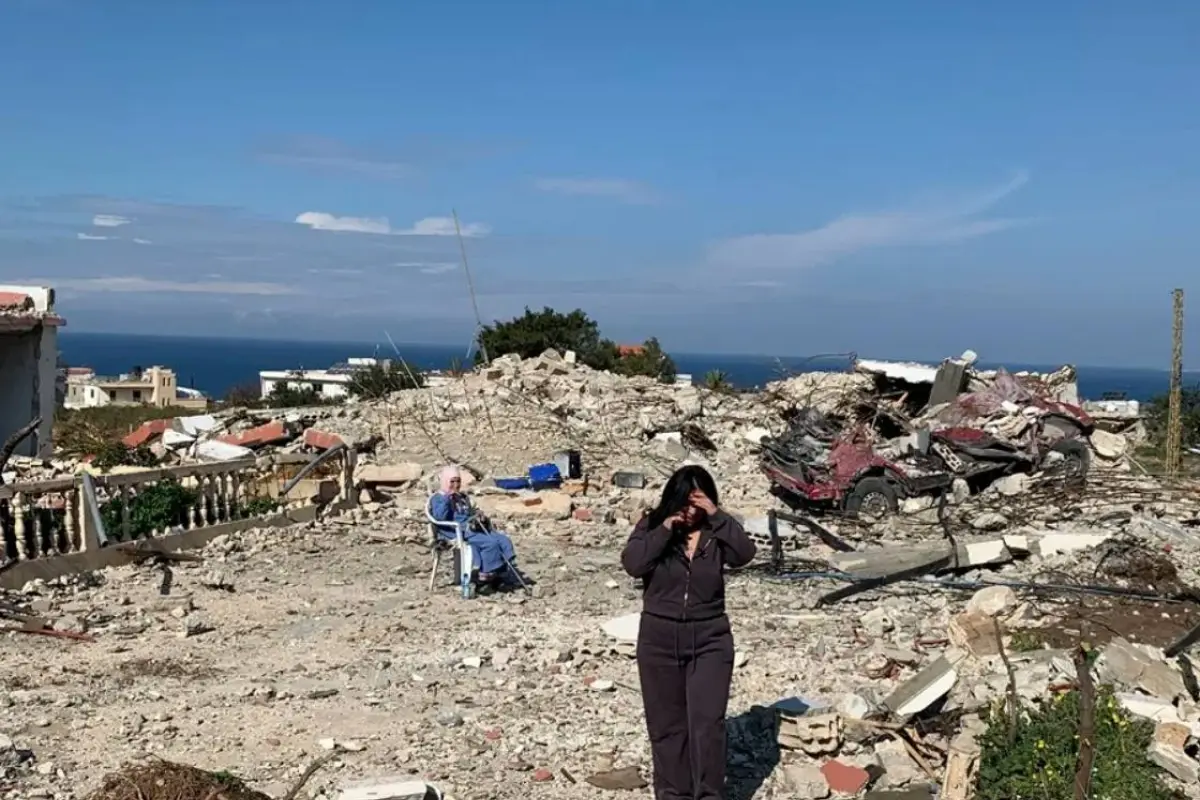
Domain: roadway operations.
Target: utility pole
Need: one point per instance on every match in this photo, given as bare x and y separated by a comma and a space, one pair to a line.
1174, 452
462, 246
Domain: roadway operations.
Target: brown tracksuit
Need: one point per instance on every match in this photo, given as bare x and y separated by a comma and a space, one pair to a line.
685, 652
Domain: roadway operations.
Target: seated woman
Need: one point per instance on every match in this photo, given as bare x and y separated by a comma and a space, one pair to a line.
493, 552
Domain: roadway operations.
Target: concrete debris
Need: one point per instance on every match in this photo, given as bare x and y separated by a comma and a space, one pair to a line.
970, 588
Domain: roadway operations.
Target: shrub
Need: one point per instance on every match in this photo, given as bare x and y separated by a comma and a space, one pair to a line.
161, 505
381, 379
80, 432
717, 381
115, 453
284, 395
1037, 761
1156, 417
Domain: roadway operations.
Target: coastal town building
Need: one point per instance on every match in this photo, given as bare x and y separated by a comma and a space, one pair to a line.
28, 365
332, 383
156, 386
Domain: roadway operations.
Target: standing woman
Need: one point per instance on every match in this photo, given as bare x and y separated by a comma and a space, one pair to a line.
685, 646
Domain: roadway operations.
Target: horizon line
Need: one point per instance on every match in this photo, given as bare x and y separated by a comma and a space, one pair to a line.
986, 363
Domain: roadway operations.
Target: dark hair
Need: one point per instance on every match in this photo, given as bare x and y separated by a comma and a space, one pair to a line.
676, 493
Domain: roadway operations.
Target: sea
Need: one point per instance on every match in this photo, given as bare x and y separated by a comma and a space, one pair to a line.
216, 365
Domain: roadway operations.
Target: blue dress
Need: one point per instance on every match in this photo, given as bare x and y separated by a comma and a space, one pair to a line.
491, 549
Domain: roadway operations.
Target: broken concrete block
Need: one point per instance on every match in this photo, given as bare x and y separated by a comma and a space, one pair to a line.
899, 769
390, 474
926, 687
975, 633
891, 560
813, 735
990, 521
625, 779
1053, 543
1011, 485
551, 505
1131, 666
398, 788
1167, 755
992, 601
805, 780
1110, 446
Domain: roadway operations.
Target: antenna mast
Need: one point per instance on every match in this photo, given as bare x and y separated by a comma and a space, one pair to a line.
462, 246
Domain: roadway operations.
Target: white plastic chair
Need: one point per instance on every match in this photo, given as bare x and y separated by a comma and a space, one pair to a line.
463, 552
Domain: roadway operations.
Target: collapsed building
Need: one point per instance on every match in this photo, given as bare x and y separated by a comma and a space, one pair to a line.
28, 368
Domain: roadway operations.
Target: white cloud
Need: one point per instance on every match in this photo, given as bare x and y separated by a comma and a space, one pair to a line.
429, 226
444, 226
320, 221
138, 284
950, 221
438, 269
626, 191
142, 241
87, 237
110, 221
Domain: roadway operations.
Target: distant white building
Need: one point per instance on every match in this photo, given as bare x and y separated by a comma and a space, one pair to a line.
328, 383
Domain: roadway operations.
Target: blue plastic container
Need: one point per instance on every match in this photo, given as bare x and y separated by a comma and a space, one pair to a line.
512, 484
545, 476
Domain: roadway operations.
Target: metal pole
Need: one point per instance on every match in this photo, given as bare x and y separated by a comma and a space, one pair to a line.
1175, 399
462, 246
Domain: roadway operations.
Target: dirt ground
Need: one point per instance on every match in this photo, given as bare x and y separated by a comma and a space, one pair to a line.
329, 635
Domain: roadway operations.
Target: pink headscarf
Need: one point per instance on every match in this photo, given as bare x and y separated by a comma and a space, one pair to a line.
447, 475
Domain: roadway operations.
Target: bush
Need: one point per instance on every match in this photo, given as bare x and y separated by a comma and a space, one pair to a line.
1038, 760
116, 453
381, 379
717, 381
284, 395
161, 505
535, 332
80, 432
1156, 417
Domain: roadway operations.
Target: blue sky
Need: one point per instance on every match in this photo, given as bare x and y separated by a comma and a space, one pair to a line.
898, 179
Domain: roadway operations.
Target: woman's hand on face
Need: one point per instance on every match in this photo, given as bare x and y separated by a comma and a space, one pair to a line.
701, 501
672, 521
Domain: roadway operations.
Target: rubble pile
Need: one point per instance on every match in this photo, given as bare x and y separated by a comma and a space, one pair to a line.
870, 656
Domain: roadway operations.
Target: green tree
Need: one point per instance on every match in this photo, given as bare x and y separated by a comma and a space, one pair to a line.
649, 360
285, 395
382, 378
1156, 417
534, 332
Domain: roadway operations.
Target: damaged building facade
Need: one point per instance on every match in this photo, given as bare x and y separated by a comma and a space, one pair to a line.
28, 365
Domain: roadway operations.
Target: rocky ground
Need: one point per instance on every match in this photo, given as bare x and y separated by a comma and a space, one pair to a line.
285, 643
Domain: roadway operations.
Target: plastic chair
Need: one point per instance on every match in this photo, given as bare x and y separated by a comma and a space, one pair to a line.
464, 556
